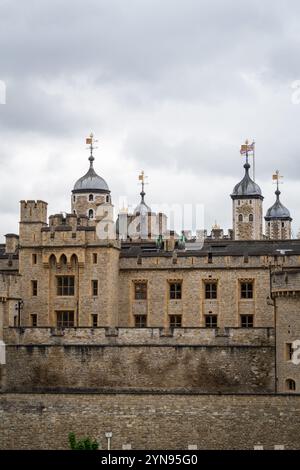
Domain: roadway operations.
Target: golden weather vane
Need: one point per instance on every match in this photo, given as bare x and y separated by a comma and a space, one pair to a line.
276, 177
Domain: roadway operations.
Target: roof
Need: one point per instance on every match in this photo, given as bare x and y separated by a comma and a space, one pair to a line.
246, 187
278, 210
91, 182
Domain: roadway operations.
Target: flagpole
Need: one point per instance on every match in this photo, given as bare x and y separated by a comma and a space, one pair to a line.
253, 161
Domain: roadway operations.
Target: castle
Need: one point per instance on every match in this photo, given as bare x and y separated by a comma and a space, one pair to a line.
179, 336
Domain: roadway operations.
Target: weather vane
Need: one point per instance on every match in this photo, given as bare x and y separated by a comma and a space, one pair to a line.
276, 177
90, 142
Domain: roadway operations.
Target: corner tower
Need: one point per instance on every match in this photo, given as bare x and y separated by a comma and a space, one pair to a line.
247, 211
278, 218
90, 190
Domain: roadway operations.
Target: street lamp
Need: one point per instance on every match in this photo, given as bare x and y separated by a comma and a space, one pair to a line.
108, 436
18, 307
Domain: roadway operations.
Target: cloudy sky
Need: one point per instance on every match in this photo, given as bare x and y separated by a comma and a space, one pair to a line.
172, 87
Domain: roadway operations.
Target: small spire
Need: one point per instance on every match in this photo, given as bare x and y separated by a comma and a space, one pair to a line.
142, 178
90, 142
276, 178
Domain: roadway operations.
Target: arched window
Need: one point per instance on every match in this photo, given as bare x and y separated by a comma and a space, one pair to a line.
240, 218
63, 260
107, 198
91, 214
250, 217
91, 197
290, 385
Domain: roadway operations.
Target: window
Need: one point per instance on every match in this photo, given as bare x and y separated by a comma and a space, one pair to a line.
91, 197
250, 202
175, 291
15, 321
34, 258
250, 217
65, 319
91, 214
95, 258
211, 321
94, 320
290, 385
107, 198
247, 290
34, 288
240, 218
140, 321
247, 321
140, 290
209, 257
65, 285
33, 319
282, 224
210, 290
94, 287
175, 321
74, 198
289, 351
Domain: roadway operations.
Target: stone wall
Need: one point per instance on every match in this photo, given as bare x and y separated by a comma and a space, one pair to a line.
148, 421
202, 360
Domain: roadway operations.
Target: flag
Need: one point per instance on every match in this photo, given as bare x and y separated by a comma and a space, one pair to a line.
141, 177
247, 148
274, 177
88, 140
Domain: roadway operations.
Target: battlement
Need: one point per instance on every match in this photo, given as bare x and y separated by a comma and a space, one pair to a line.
286, 282
33, 211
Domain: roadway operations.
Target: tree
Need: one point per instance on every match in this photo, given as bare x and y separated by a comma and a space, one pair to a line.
82, 444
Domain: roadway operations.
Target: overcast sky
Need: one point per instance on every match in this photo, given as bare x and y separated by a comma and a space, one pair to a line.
172, 87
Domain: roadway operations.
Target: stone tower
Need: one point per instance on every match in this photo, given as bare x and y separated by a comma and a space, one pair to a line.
278, 218
90, 191
247, 211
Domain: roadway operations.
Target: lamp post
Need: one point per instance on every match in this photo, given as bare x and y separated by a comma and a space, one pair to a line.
108, 436
18, 307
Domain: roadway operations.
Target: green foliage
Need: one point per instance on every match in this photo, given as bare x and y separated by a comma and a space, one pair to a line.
82, 444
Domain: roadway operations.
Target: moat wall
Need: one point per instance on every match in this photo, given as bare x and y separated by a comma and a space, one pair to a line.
149, 421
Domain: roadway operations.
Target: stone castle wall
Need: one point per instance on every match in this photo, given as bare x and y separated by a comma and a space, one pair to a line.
201, 360
149, 421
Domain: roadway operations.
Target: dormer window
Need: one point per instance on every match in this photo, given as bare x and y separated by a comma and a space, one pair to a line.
91, 197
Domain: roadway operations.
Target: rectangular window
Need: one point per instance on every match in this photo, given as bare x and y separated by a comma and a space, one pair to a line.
33, 319
34, 258
211, 321
65, 319
288, 351
94, 287
175, 321
95, 258
247, 290
94, 320
140, 321
247, 321
65, 285
140, 290
34, 288
175, 290
210, 290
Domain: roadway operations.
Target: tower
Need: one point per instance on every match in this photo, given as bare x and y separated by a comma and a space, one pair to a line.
90, 190
278, 218
247, 203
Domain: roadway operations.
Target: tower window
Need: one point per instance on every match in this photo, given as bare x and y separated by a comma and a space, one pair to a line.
33, 318
74, 198
34, 258
250, 217
34, 288
210, 290
211, 321
107, 198
175, 321
65, 285
94, 287
175, 291
91, 214
240, 218
140, 290
65, 319
95, 258
91, 197
140, 321
282, 224
290, 385
247, 321
246, 290
288, 351
94, 320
